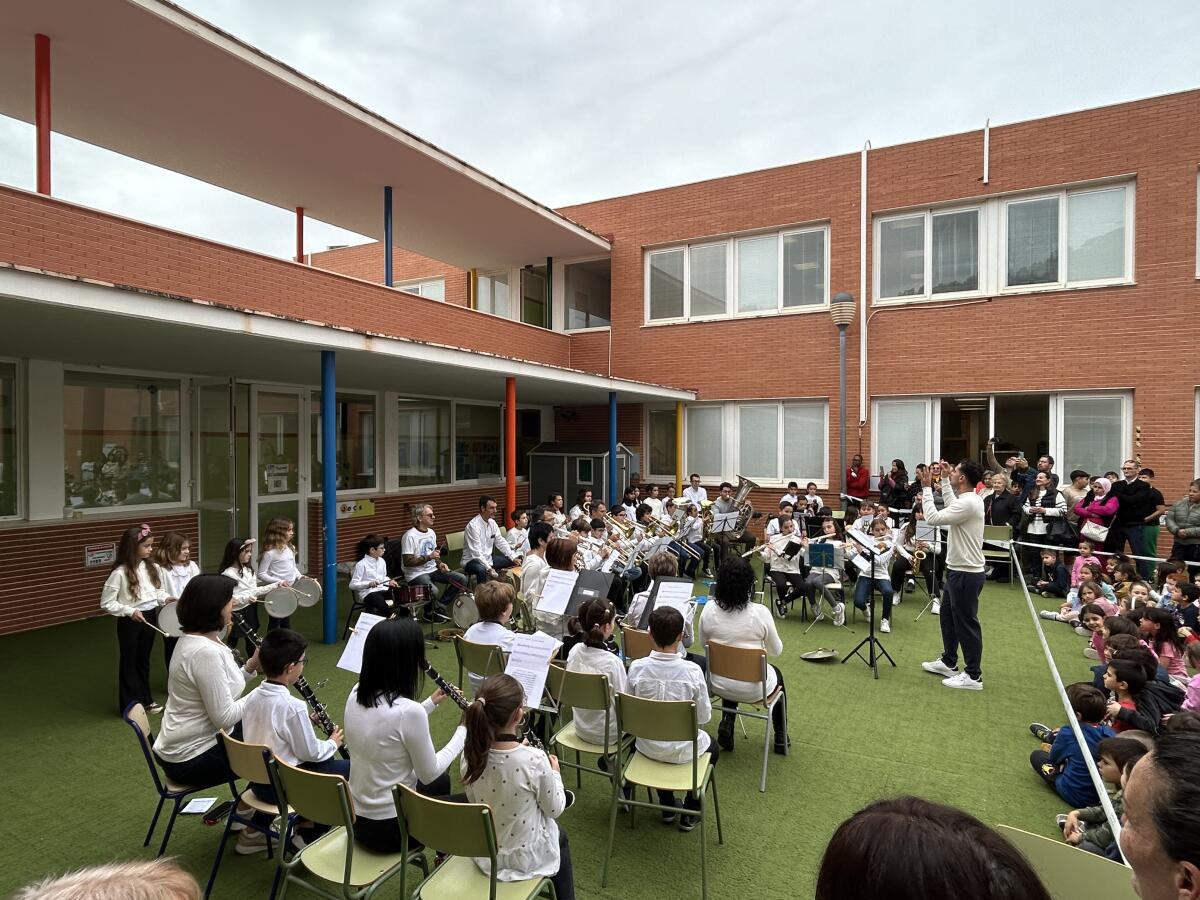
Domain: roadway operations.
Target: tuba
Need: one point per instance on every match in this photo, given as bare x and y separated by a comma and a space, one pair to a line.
744, 506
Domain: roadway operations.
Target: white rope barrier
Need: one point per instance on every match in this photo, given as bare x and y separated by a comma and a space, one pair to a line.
1062, 549
1110, 813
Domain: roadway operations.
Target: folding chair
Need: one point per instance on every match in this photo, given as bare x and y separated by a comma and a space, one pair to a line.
998, 554
585, 690
635, 643
662, 720
334, 857
465, 831
135, 717
250, 762
747, 664
478, 659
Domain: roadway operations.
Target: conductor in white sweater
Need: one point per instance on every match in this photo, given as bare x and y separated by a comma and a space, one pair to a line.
962, 516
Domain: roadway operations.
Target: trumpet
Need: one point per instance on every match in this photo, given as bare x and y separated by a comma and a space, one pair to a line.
613, 522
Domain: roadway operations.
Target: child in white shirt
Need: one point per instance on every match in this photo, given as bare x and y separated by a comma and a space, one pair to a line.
369, 580
592, 629
882, 546
235, 564
494, 600
518, 535
278, 560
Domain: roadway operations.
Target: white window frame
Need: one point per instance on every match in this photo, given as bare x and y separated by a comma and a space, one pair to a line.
21, 475
928, 214
731, 442
1056, 419
185, 442
560, 293
492, 273
380, 419
731, 276
417, 285
932, 431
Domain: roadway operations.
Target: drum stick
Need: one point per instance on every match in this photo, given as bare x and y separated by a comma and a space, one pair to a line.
155, 627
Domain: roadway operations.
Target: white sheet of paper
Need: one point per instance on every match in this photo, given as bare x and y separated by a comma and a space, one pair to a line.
556, 592
198, 805
351, 659
675, 594
724, 521
529, 662
926, 532
862, 563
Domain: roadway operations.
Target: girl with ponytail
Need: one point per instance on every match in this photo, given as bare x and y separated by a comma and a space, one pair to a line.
522, 786
592, 629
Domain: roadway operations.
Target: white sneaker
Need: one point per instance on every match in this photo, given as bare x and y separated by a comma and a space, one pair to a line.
839, 615
1049, 614
867, 612
885, 626
936, 608
1090, 652
910, 585
1082, 632
937, 667
897, 596
963, 682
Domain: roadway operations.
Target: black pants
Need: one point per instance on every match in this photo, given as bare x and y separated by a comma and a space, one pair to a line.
380, 603
789, 586
960, 621
903, 568
208, 769
778, 717
383, 835
1039, 759
134, 643
1187, 553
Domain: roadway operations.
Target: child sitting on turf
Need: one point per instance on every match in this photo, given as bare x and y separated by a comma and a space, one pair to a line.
1063, 767
1125, 680
1192, 701
1159, 699
1139, 596
664, 675
1160, 630
1088, 828
1086, 555
494, 600
1189, 604
1052, 580
1089, 592
1091, 618
1164, 576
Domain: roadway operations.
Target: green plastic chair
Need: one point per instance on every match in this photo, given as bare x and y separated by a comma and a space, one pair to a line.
465, 831
583, 690
747, 664
478, 659
334, 857
662, 720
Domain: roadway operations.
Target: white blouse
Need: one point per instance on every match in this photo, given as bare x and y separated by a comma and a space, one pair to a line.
751, 626
117, 600
176, 577
525, 796
589, 723
248, 589
204, 690
278, 565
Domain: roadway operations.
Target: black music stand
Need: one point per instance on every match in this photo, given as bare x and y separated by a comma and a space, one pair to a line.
875, 647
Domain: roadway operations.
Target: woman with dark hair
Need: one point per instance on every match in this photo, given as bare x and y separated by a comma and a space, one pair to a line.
204, 686
522, 786
893, 486
132, 594
559, 554
387, 732
730, 618
910, 849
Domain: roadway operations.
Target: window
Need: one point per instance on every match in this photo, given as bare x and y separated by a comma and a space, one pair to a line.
1094, 433
491, 294
805, 434
903, 430
1033, 241
704, 440
534, 308
431, 288
660, 439
902, 257
476, 441
950, 267
583, 470
355, 442
758, 441
954, 251
760, 274
587, 286
8, 440
424, 442
1096, 235
122, 438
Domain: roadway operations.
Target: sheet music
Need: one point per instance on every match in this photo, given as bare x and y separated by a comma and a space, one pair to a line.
352, 655
673, 592
724, 522
861, 563
925, 532
556, 592
529, 663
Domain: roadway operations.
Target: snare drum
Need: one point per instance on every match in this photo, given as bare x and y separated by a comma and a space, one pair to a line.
414, 597
168, 619
280, 602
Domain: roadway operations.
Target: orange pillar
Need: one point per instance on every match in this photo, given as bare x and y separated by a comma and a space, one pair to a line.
510, 445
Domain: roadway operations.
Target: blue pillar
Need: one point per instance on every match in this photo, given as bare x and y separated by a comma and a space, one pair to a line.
614, 493
329, 492
387, 235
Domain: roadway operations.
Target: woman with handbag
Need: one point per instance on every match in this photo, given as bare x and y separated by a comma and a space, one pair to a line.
1096, 512
1042, 507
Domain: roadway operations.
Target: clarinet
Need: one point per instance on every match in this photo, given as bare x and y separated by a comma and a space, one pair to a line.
450, 690
302, 686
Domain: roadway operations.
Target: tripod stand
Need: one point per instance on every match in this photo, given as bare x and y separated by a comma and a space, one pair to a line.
875, 648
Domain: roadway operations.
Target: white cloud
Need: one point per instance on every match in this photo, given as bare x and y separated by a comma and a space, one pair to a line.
571, 102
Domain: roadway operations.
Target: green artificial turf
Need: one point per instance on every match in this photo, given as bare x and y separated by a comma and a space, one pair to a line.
77, 781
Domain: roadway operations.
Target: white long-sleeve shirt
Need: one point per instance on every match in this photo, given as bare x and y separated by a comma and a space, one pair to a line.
525, 796
750, 626
772, 552
480, 537
964, 514
278, 564
176, 577
518, 539
117, 600
366, 570
695, 495
204, 689
534, 570
664, 676
492, 634
589, 723
248, 588
390, 745
279, 721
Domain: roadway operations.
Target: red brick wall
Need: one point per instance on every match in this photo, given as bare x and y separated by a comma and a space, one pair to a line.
365, 261
49, 234
45, 580
590, 423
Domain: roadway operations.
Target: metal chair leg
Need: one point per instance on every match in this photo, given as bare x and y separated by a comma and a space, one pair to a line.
212, 876
154, 821
170, 824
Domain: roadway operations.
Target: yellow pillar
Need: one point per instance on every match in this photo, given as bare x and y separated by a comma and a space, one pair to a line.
678, 448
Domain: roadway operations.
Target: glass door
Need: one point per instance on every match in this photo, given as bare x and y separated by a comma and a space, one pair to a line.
278, 459
216, 469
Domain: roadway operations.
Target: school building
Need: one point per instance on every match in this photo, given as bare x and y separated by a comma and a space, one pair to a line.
1035, 281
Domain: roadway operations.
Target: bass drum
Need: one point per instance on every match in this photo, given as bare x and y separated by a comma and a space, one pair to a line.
465, 613
168, 619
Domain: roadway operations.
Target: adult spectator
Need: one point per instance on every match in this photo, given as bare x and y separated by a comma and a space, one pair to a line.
1074, 492
1183, 521
1098, 508
1156, 506
893, 486
1043, 519
1045, 464
907, 848
484, 548
1133, 499
1000, 507
1161, 834
143, 879
858, 479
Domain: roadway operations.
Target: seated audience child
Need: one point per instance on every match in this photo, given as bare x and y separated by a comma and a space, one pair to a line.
1088, 828
1063, 766
1139, 596
1161, 632
494, 600
1164, 577
664, 675
1189, 605
1125, 680
1052, 579
1086, 555
1192, 701
1160, 698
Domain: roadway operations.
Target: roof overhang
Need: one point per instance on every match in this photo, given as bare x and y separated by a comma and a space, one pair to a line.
151, 81
88, 323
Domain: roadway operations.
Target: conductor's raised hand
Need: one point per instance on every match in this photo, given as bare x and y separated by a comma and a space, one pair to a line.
947, 468
927, 476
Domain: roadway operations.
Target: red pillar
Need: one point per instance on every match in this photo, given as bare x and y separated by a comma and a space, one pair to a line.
41, 107
299, 234
510, 444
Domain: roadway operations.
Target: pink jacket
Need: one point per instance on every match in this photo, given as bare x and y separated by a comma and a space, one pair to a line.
1098, 511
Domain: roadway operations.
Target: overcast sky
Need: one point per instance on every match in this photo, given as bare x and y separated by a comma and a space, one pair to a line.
570, 102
